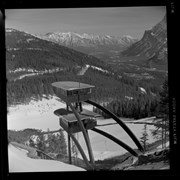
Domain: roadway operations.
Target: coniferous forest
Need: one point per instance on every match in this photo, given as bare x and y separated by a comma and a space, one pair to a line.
126, 92
122, 96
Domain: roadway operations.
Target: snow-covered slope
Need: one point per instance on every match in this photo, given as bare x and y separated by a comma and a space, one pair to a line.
153, 43
20, 162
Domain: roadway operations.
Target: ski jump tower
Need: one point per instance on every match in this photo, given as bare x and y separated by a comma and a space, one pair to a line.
75, 119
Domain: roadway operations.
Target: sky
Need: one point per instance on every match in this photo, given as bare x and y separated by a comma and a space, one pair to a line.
115, 21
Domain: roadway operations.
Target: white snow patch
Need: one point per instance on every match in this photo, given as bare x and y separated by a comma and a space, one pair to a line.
129, 97
20, 162
35, 138
34, 72
83, 70
13, 49
9, 30
160, 146
26, 75
143, 91
152, 33
30, 39
36, 114
40, 49
99, 69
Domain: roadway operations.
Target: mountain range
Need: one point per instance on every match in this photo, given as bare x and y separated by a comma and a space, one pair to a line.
104, 47
79, 40
65, 51
153, 45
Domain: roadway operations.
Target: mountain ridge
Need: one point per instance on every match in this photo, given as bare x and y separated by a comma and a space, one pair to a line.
23, 48
153, 44
75, 39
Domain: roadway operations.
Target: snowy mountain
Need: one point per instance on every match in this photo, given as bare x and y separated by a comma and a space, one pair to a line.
153, 44
72, 39
104, 47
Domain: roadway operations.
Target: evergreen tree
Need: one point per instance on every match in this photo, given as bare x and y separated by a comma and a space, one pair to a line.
31, 143
74, 148
144, 137
41, 143
162, 122
60, 142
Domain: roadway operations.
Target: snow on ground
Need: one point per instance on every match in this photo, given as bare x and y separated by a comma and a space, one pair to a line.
160, 146
39, 115
105, 148
20, 162
143, 91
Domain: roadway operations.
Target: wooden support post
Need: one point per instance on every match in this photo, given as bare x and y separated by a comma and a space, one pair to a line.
89, 166
69, 149
67, 107
91, 157
80, 106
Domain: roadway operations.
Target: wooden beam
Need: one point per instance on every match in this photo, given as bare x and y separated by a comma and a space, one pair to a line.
89, 166
69, 148
84, 133
120, 122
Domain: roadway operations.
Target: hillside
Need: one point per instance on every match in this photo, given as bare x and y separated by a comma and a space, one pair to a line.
33, 64
152, 46
24, 50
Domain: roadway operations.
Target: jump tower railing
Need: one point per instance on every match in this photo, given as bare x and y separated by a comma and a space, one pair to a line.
75, 119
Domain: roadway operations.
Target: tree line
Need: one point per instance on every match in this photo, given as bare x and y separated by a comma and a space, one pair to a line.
139, 107
106, 86
121, 96
52, 143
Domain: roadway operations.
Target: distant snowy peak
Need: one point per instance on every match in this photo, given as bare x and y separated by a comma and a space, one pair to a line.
87, 40
76, 41
128, 40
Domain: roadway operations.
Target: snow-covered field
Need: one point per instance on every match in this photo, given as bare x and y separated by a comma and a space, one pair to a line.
20, 162
105, 148
39, 115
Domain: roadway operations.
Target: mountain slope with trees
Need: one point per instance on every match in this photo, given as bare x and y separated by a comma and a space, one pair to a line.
24, 50
121, 93
152, 46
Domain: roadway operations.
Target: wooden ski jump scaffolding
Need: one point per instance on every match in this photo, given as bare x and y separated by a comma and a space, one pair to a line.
75, 119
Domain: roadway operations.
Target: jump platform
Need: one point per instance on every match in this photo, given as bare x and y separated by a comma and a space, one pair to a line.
75, 119
69, 123
70, 91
